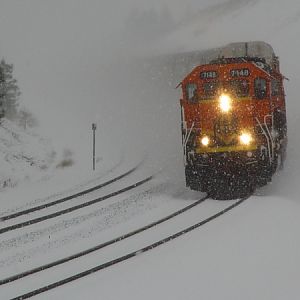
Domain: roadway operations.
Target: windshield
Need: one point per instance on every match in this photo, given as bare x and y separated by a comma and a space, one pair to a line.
210, 89
238, 88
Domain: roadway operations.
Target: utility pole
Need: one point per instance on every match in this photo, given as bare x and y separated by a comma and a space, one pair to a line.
94, 127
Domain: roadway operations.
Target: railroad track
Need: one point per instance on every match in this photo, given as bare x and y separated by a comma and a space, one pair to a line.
59, 195
76, 207
67, 198
114, 241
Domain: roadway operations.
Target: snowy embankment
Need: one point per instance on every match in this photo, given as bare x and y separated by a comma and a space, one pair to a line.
24, 155
32, 167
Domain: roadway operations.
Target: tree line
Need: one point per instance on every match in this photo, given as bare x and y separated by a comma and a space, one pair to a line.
9, 98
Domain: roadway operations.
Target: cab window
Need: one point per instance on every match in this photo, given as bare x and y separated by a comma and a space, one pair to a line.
192, 92
275, 87
240, 88
260, 88
210, 89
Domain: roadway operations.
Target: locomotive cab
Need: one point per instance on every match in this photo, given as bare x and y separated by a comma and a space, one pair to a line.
234, 122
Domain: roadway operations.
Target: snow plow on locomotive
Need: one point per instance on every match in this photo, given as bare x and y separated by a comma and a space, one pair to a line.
234, 130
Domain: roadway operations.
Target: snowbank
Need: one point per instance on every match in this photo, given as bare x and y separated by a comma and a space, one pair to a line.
23, 155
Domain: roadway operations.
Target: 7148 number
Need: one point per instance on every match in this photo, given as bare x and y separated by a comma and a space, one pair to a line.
240, 73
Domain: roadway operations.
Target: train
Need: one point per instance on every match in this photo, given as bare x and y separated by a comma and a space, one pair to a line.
233, 121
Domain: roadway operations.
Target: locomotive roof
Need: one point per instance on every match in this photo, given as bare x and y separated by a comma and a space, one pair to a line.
260, 53
181, 64
247, 49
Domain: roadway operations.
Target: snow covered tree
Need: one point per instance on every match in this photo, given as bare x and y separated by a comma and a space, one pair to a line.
26, 118
9, 91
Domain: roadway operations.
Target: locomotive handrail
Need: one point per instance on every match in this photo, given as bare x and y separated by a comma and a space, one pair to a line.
271, 138
267, 138
186, 140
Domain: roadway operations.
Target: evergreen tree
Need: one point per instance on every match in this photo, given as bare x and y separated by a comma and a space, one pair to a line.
9, 91
26, 118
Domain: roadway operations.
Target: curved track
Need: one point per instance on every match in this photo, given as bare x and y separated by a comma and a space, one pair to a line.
64, 199
73, 208
100, 246
121, 258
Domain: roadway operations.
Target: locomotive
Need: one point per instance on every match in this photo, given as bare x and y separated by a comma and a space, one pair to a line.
233, 119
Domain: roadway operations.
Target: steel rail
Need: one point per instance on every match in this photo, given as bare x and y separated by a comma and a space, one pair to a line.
102, 245
129, 255
73, 208
84, 192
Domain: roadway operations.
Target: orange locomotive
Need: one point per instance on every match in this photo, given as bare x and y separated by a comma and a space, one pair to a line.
234, 129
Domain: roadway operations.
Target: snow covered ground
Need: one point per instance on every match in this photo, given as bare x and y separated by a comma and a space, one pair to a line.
252, 252
24, 155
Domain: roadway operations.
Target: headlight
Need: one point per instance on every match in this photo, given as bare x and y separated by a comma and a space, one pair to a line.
225, 103
246, 139
205, 141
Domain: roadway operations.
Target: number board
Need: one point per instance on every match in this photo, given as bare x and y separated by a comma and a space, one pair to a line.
208, 75
240, 73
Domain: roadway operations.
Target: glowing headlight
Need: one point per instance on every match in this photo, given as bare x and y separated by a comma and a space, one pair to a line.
225, 103
205, 141
246, 139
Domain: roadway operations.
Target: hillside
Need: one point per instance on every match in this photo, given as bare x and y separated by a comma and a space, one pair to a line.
24, 155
